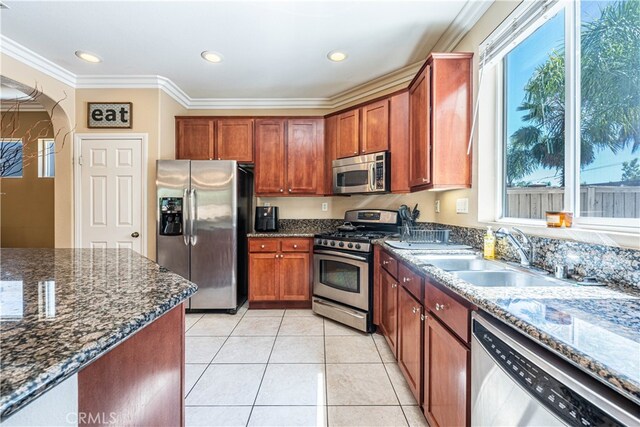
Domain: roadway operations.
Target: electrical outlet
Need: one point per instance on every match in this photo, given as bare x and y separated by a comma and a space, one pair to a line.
462, 206
325, 207
437, 206
267, 204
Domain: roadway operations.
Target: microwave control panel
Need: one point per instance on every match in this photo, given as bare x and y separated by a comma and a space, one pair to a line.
380, 178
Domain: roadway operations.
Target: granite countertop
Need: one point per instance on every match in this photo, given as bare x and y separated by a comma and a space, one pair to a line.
63, 308
595, 328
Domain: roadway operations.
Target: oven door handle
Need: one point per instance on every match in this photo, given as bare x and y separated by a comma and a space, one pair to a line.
340, 254
351, 313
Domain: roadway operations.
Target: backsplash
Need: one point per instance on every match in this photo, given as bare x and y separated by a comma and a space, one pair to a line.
608, 264
309, 225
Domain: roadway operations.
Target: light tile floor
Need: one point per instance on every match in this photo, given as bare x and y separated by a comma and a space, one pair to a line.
291, 368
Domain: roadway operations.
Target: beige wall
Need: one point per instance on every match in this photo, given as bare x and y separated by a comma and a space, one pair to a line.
27, 203
63, 119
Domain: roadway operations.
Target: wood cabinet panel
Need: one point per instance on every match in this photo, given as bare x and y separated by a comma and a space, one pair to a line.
399, 142
295, 283
264, 245
118, 382
446, 379
420, 130
348, 134
389, 263
270, 153
330, 141
389, 312
302, 157
264, 276
453, 313
410, 340
375, 127
195, 139
295, 245
234, 140
411, 281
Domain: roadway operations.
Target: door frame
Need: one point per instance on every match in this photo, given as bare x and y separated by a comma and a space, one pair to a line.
77, 181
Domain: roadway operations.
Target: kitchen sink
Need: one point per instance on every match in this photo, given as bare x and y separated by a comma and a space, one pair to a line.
512, 279
462, 263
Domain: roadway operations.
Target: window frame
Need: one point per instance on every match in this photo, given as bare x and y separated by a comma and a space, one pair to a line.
19, 141
43, 164
572, 44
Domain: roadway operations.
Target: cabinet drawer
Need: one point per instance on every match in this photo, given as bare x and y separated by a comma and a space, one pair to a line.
295, 245
453, 313
263, 245
411, 281
389, 263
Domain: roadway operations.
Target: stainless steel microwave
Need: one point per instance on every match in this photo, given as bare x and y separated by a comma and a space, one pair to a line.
361, 174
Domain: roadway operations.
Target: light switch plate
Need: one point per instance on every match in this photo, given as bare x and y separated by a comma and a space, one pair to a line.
267, 204
437, 206
325, 207
462, 206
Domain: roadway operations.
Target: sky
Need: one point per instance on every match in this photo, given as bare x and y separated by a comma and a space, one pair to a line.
521, 63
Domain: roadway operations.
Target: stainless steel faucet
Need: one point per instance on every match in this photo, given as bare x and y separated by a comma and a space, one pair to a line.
523, 247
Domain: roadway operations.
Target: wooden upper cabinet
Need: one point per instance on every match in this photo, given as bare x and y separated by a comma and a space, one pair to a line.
419, 130
270, 152
348, 134
375, 127
195, 139
302, 156
440, 123
235, 140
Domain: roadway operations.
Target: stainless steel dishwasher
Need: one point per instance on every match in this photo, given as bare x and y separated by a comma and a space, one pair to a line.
516, 382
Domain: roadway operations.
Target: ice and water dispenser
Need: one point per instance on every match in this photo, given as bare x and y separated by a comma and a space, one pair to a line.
171, 216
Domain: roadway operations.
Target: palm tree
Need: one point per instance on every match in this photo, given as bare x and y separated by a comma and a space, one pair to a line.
610, 96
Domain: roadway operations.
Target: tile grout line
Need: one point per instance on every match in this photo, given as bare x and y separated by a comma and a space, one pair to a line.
326, 376
391, 382
266, 366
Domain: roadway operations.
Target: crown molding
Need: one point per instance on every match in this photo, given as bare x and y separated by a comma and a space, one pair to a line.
24, 107
464, 21
471, 12
34, 60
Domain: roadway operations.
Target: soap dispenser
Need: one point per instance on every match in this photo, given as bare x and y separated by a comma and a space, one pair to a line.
489, 244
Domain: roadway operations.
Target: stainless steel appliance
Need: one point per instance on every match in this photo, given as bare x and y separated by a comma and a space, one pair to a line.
266, 218
515, 381
343, 267
362, 174
204, 209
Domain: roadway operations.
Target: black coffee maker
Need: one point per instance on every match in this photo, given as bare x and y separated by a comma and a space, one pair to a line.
266, 218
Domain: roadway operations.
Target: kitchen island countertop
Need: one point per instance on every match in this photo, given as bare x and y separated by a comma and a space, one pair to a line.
64, 308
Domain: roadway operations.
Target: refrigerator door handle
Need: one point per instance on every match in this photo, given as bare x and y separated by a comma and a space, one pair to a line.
193, 216
185, 216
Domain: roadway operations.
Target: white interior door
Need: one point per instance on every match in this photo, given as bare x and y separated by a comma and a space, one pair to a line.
111, 177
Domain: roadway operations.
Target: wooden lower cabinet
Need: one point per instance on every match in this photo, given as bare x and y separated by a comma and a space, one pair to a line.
410, 340
389, 306
446, 383
279, 273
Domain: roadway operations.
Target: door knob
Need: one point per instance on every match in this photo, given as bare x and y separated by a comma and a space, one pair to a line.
135, 234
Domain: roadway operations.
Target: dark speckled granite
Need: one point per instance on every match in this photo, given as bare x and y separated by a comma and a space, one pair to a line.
63, 308
595, 328
300, 228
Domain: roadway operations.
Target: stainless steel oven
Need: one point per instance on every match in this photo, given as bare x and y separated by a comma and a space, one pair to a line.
361, 174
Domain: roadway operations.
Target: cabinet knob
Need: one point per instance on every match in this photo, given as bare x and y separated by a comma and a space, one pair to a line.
295, 246
281, 190
219, 158
394, 285
355, 152
289, 190
425, 179
385, 262
277, 256
405, 280
413, 310
261, 246
422, 317
364, 151
440, 307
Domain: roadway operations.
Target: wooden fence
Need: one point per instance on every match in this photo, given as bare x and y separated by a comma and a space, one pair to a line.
595, 201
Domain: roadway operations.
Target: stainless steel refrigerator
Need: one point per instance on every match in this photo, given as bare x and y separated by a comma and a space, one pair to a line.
203, 217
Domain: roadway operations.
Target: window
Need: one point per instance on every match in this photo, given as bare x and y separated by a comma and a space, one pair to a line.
46, 158
11, 158
571, 117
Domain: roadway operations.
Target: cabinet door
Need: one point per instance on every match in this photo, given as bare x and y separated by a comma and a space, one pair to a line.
194, 139
389, 315
410, 340
348, 134
375, 127
302, 157
269, 171
419, 130
263, 277
446, 377
235, 140
295, 280
330, 146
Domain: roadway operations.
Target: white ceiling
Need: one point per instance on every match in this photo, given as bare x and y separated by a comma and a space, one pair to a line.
271, 49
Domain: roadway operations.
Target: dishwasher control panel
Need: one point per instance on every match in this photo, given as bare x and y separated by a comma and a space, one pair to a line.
565, 403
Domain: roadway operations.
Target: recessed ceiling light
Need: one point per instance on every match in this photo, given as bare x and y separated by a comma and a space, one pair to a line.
336, 56
88, 56
211, 56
